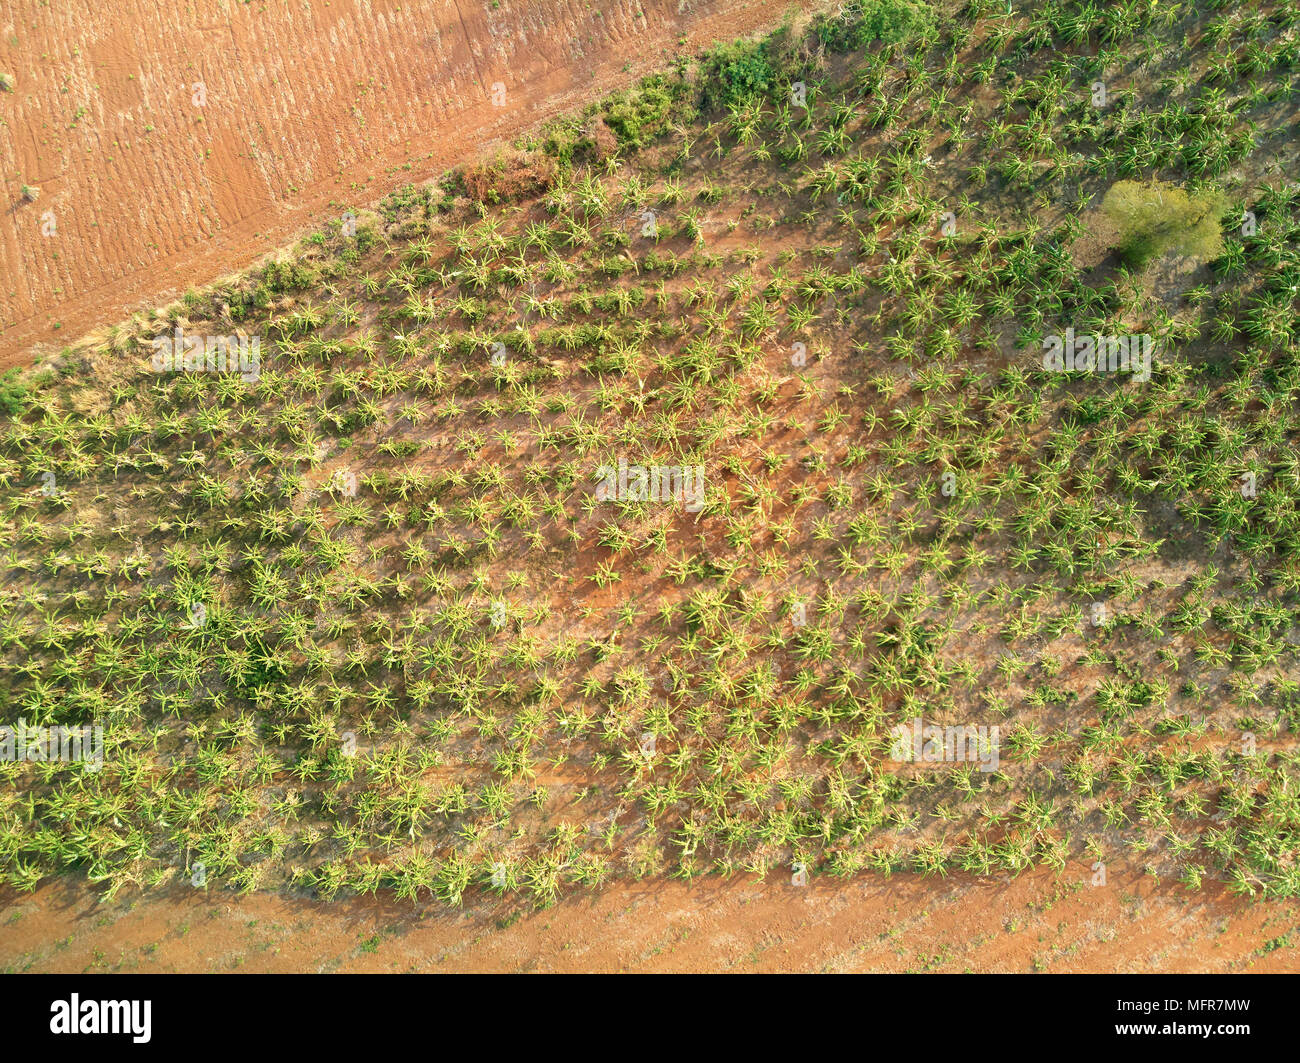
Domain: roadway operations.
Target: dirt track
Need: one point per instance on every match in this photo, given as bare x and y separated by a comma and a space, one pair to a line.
306, 108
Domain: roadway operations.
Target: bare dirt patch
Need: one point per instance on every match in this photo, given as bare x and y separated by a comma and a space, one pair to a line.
1037, 921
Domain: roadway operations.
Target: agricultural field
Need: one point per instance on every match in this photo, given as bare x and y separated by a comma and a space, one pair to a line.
860, 454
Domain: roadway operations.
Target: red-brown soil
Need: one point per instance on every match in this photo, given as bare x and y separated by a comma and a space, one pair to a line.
308, 109
1035, 922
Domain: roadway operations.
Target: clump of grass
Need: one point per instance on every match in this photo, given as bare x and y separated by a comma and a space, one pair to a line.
1156, 219
31, 193
6, 83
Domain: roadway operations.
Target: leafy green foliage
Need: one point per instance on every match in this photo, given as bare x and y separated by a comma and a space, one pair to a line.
1154, 219
435, 660
13, 393
859, 23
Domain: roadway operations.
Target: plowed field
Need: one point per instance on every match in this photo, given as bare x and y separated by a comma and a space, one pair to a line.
168, 158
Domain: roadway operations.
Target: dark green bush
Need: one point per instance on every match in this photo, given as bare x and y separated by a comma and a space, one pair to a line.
735, 72
13, 393
863, 22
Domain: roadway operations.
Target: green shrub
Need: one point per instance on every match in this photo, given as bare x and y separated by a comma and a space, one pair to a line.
735, 72
1152, 220
13, 393
644, 113
862, 22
